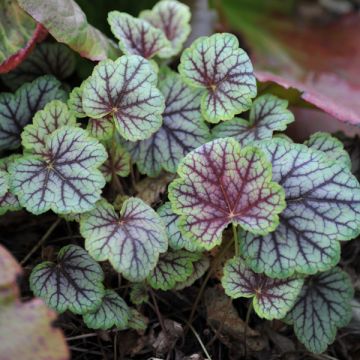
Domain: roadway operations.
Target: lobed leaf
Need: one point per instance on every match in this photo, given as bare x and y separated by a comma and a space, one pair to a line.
102, 129
173, 267
54, 116
272, 298
139, 293
75, 102
113, 311
268, 114
182, 130
17, 110
47, 58
65, 178
177, 240
74, 283
137, 36
118, 163
173, 18
132, 242
333, 147
323, 206
125, 89
217, 65
8, 201
322, 307
221, 183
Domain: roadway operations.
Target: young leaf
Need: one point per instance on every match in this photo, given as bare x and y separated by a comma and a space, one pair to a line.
137, 36
173, 266
8, 201
219, 184
113, 311
322, 307
118, 163
177, 240
323, 206
333, 147
126, 89
137, 320
200, 267
139, 293
74, 283
65, 178
75, 102
47, 58
268, 114
17, 110
182, 130
272, 298
217, 65
54, 116
132, 242
173, 18
101, 129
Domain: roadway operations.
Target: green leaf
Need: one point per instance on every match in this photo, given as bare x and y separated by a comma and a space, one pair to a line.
333, 147
117, 163
132, 242
272, 298
322, 307
173, 267
173, 18
268, 114
17, 110
47, 58
200, 267
139, 293
217, 65
323, 207
137, 36
177, 240
182, 130
8, 201
125, 89
102, 129
73, 283
54, 116
137, 320
221, 183
67, 23
113, 311
65, 178
75, 102
4, 183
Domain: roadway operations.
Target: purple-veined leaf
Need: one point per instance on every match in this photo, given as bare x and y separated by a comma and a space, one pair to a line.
139, 293
112, 311
18, 109
73, 283
322, 307
131, 242
137, 321
8, 201
172, 267
137, 36
4, 183
333, 147
268, 114
200, 267
217, 65
47, 58
75, 102
323, 207
182, 130
125, 89
65, 178
177, 240
67, 23
221, 183
54, 116
173, 18
117, 163
102, 129
272, 298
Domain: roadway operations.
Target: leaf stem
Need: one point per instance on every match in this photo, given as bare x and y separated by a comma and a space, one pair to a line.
236, 240
41, 241
247, 319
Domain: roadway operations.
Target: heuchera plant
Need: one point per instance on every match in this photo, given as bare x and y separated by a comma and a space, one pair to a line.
289, 205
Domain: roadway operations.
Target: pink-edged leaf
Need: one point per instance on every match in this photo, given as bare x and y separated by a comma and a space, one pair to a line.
221, 183
67, 23
272, 298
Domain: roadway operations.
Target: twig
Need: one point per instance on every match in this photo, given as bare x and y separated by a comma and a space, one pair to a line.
157, 311
248, 313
